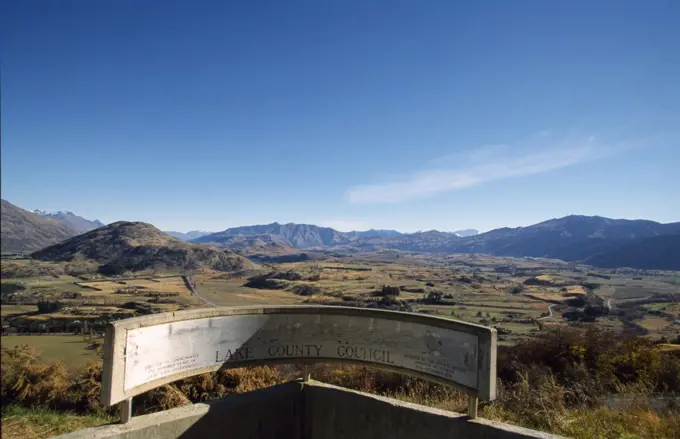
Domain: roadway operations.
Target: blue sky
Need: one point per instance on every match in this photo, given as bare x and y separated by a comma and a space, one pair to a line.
353, 114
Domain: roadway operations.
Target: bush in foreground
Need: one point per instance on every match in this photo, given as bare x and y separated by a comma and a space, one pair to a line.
552, 383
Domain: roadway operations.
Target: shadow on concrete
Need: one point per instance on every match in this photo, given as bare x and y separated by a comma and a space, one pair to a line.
309, 410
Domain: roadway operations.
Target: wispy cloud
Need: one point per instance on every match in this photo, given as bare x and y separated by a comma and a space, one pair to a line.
540, 153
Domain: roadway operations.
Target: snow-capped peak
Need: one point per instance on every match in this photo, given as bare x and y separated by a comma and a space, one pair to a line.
57, 213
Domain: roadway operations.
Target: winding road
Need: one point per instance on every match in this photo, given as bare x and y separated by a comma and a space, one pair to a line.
551, 316
191, 288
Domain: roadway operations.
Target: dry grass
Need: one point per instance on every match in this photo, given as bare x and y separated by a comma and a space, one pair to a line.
595, 423
538, 388
654, 323
576, 290
164, 284
231, 292
37, 423
9, 310
71, 349
554, 297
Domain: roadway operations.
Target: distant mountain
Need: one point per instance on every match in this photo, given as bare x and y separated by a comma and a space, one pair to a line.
24, 231
135, 246
591, 239
194, 234
658, 252
466, 232
373, 233
254, 245
75, 222
595, 240
301, 236
430, 241
571, 238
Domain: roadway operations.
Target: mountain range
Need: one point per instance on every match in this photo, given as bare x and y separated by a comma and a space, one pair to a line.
590, 239
594, 240
467, 232
373, 233
23, 231
252, 245
73, 221
194, 234
301, 236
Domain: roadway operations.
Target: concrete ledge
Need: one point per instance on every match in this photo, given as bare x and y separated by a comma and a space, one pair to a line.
333, 412
274, 412
310, 410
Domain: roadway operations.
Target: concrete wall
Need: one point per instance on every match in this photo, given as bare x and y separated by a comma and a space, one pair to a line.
272, 413
306, 411
336, 413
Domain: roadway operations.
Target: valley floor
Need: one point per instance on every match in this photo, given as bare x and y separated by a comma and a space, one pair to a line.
524, 299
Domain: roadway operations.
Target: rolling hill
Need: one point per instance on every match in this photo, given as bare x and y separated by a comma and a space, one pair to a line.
135, 246
24, 231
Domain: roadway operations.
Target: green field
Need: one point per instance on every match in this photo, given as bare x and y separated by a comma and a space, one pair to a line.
71, 349
469, 287
9, 310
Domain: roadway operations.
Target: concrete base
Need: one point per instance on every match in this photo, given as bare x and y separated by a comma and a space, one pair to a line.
309, 410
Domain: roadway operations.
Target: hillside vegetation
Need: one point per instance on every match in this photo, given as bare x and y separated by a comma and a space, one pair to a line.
554, 383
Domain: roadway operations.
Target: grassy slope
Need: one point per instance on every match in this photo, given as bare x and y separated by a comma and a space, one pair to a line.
541, 405
71, 349
23, 423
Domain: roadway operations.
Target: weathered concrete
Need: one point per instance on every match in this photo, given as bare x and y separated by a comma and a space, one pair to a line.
335, 413
272, 413
309, 410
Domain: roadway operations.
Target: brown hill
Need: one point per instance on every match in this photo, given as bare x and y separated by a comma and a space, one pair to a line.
136, 246
24, 231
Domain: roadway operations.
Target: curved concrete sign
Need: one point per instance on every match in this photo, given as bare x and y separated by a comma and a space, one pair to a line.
146, 352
